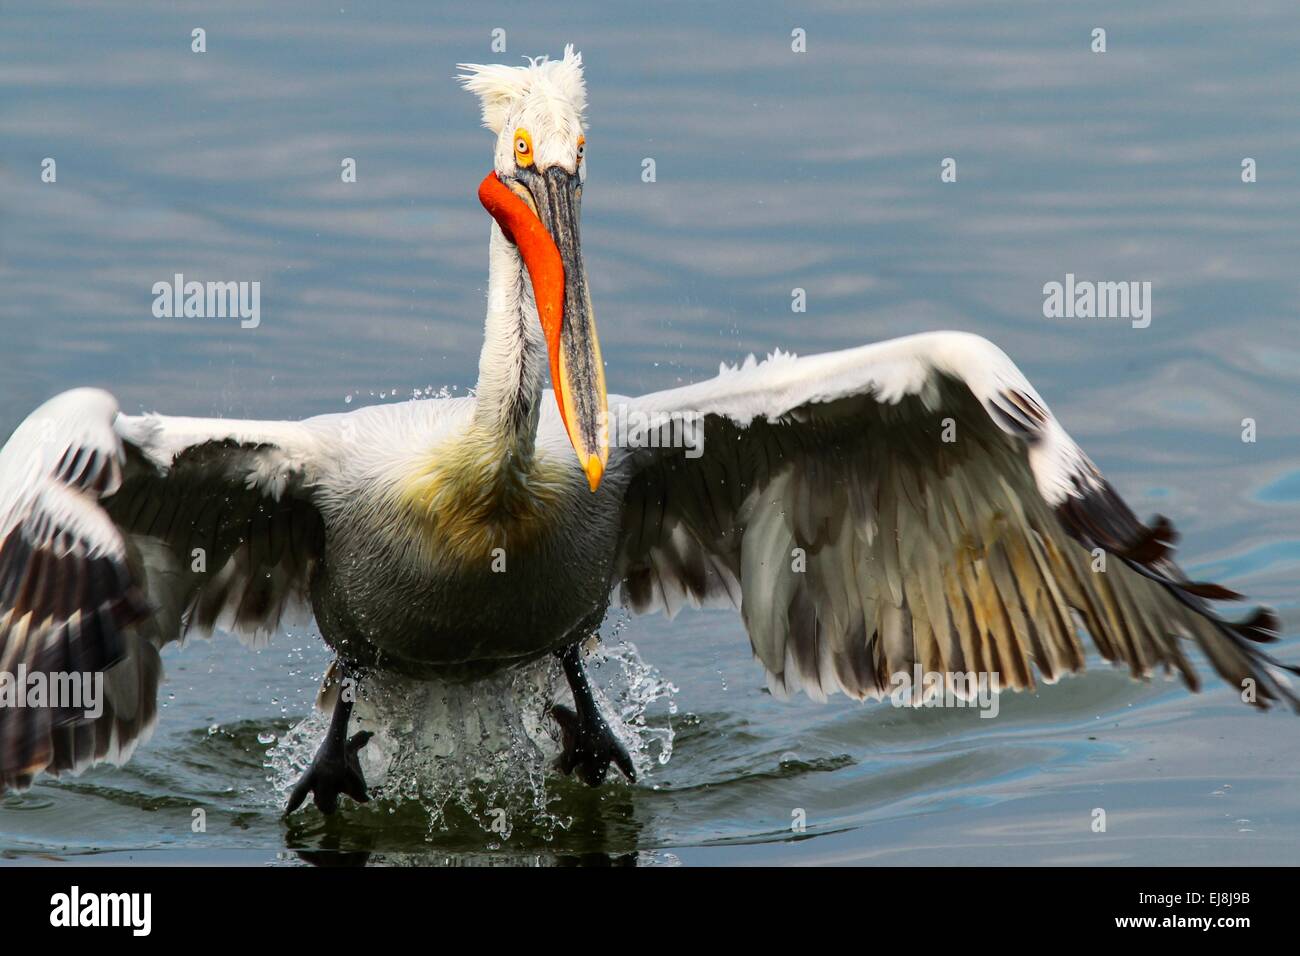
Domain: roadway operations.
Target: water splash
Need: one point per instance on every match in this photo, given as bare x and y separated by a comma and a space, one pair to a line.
631, 691
485, 751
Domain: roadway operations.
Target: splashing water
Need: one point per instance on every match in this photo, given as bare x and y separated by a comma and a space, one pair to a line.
484, 750
634, 687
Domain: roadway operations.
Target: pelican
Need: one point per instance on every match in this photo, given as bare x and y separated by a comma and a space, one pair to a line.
907, 506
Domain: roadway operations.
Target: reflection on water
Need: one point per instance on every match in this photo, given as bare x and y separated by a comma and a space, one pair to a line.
775, 171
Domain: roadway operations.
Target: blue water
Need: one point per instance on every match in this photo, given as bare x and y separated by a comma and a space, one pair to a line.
774, 171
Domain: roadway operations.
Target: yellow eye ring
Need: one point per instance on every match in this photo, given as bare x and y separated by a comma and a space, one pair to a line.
523, 148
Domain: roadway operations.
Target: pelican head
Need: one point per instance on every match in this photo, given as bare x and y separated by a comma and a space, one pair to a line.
534, 193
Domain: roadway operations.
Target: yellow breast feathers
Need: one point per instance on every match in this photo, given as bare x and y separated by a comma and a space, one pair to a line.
472, 496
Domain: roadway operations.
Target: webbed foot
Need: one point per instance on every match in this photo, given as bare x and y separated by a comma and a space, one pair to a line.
336, 768
589, 744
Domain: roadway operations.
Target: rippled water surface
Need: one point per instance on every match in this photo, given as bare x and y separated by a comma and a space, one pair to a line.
775, 170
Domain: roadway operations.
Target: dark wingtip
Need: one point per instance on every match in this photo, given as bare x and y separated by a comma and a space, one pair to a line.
1262, 627
1212, 592
1154, 543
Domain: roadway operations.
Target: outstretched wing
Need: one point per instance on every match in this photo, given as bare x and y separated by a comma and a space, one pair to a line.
119, 534
907, 505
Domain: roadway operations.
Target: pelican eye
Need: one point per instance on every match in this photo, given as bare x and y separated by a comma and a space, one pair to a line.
523, 148
582, 147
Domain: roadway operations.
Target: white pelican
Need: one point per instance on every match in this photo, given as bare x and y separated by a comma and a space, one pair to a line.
906, 505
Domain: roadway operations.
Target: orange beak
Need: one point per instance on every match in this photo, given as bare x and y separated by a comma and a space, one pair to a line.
552, 255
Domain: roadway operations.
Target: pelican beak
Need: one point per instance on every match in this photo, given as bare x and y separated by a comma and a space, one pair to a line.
538, 212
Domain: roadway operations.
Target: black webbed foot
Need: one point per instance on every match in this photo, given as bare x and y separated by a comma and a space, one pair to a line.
332, 773
335, 769
590, 750
589, 745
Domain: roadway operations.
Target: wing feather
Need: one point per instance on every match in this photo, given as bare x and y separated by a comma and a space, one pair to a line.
948, 522
119, 534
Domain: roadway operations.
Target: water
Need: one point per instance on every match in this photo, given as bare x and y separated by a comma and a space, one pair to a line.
774, 171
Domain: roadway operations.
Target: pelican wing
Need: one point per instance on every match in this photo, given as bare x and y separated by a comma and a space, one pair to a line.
911, 504
119, 534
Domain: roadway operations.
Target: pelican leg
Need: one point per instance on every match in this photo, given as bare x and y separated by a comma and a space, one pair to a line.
335, 769
589, 745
